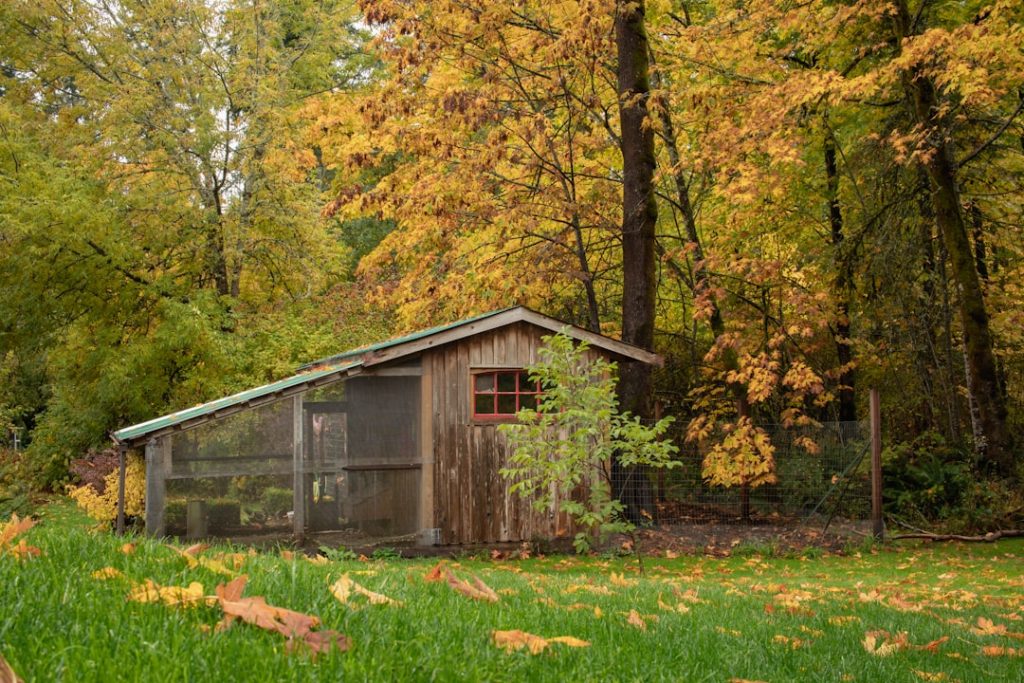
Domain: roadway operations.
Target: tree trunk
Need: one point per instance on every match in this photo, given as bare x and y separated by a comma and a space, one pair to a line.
993, 448
639, 217
841, 286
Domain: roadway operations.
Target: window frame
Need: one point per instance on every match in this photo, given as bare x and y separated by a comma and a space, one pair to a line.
518, 392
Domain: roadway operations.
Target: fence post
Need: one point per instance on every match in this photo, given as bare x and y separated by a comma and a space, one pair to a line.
659, 411
878, 527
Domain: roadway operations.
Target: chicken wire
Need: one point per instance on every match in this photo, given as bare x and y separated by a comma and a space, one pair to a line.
359, 468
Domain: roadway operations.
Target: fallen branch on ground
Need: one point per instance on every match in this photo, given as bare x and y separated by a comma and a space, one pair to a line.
986, 538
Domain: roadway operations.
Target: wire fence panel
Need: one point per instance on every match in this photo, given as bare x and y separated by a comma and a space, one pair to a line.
820, 470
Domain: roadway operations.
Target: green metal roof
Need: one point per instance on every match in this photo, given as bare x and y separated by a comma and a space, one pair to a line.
143, 428
352, 353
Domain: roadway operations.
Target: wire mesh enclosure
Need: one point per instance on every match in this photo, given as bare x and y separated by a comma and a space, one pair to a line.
819, 470
342, 458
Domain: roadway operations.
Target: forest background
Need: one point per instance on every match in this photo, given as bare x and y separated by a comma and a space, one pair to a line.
197, 196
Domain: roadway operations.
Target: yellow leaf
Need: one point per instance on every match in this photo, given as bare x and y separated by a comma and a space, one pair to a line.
1000, 651
634, 619
344, 588
621, 580
107, 573
517, 640
128, 548
793, 643
189, 596
929, 676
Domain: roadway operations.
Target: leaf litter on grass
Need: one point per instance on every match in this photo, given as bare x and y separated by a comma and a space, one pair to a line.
511, 641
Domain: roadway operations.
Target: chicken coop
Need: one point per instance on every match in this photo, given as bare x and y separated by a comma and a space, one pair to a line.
394, 442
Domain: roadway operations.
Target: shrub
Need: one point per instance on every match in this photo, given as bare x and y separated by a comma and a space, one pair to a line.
223, 513
98, 495
568, 441
277, 501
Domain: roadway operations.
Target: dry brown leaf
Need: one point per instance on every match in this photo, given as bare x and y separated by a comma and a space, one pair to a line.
128, 548
669, 555
7, 674
929, 676
436, 573
287, 555
634, 619
344, 588
107, 573
478, 592
517, 640
195, 549
316, 559
1000, 651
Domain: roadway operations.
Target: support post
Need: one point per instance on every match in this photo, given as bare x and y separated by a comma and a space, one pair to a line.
121, 472
877, 525
298, 471
156, 485
659, 410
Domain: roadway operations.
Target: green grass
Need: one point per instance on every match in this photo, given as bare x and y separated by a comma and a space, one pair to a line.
59, 623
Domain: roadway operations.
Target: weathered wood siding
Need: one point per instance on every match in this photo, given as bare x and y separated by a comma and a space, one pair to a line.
472, 501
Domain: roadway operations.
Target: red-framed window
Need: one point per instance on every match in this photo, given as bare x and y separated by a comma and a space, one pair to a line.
503, 393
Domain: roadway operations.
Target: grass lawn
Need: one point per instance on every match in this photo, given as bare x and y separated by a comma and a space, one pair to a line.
704, 619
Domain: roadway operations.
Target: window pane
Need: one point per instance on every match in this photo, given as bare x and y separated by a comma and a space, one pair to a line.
530, 401
507, 381
484, 383
506, 404
525, 384
483, 404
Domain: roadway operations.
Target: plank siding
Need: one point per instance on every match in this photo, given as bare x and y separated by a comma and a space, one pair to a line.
473, 502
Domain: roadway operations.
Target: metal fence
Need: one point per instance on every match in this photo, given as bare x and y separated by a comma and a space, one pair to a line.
821, 470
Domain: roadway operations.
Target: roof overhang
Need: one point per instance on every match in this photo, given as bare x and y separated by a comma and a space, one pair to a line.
420, 342
222, 407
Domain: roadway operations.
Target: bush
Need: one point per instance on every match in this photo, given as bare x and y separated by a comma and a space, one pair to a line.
98, 494
223, 513
925, 480
277, 501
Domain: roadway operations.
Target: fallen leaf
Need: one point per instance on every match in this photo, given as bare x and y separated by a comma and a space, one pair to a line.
7, 674
634, 619
1000, 651
107, 573
188, 596
128, 548
344, 588
793, 643
842, 619
517, 640
23, 550
316, 559
621, 580
436, 573
13, 528
478, 590
929, 676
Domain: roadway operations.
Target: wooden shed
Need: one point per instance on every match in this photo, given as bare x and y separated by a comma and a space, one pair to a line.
391, 442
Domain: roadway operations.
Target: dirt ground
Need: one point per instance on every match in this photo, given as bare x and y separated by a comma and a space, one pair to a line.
721, 538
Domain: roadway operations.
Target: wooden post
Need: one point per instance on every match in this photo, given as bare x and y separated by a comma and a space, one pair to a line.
659, 410
426, 454
298, 470
156, 484
877, 525
121, 472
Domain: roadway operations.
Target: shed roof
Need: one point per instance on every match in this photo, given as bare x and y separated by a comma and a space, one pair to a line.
228, 404
417, 342
334, 367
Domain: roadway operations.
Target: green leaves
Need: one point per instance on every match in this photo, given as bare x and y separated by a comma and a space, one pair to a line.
566, 444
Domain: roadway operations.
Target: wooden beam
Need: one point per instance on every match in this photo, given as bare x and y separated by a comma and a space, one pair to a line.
298, 471
426, 437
